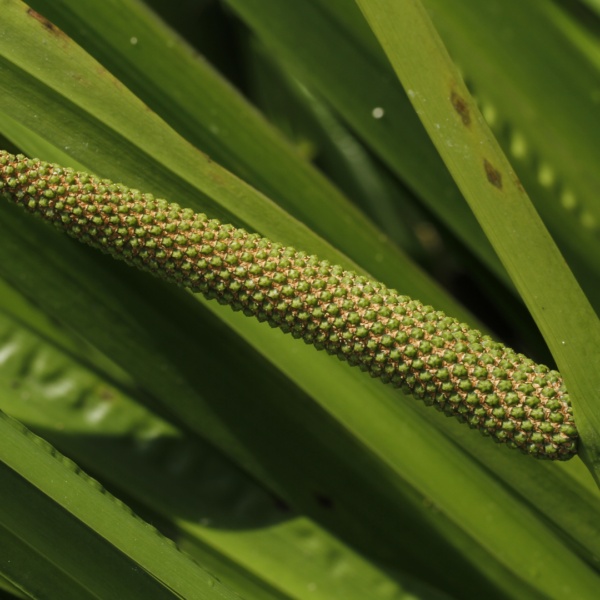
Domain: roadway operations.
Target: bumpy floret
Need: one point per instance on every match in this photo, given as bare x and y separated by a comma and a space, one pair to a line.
413, 347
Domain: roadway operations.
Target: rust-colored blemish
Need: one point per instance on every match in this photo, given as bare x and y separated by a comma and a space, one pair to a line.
461, 107
51, 27
106, 394
519, 184
493, 175
102, 72
205, 156
79, 79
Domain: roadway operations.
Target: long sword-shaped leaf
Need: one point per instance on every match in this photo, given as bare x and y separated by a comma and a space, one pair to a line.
369, 85
102, 550
8, 591
552, 146
532, 130
499, 201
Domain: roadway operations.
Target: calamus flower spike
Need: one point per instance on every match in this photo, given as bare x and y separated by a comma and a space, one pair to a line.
398, 340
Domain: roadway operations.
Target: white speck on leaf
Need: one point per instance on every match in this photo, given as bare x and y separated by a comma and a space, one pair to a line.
378, 112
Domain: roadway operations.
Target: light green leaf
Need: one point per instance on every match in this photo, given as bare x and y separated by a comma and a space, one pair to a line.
103, 550
552, 147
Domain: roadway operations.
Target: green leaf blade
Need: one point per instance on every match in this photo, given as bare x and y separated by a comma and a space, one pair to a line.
130, 558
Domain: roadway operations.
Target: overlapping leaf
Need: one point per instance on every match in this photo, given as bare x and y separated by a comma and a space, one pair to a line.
76, 540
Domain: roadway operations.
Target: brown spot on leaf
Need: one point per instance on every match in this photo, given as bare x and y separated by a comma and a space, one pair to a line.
106, 394
51, 27
519, 184
461, 107
102, 72
493, 176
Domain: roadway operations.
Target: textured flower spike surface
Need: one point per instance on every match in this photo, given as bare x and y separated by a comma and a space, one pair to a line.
410, 346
